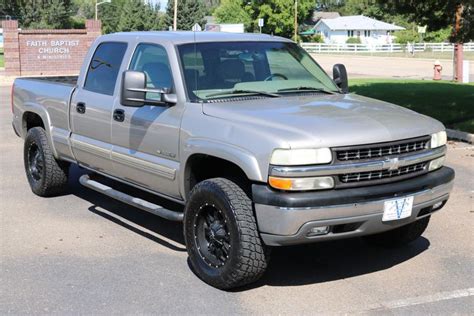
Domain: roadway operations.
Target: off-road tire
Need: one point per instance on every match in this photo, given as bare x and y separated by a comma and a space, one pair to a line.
399, 236
246, 261
52, 179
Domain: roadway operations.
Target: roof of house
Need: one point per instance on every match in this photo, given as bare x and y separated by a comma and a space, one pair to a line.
358, 22
318, 15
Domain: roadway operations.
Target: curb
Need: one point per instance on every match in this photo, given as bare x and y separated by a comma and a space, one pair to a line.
462, 136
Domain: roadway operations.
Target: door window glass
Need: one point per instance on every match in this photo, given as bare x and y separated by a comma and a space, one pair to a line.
153, 60
104, 67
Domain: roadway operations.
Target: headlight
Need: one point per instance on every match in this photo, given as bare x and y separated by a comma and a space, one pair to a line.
301, 184
436, 163
438, 139
295, 157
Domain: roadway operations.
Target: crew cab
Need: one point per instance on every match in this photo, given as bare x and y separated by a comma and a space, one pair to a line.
246, 131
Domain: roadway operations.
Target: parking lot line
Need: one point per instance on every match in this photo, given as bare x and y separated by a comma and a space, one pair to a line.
436, 297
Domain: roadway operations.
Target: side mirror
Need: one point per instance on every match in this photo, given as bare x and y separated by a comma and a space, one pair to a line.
133, 86
133, 92
339, 75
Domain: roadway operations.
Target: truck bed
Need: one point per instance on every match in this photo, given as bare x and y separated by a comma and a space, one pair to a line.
48, 97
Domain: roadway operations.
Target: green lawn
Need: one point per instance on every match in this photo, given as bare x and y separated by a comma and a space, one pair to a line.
451, 103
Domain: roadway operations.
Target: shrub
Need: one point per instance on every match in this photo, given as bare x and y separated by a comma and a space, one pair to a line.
405, 36
353, 40
316, 38
438, 36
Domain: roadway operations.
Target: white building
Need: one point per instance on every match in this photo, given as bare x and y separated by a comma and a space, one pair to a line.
370, 31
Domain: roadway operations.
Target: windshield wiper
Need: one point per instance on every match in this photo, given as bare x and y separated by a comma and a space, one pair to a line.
304, 88
240, 91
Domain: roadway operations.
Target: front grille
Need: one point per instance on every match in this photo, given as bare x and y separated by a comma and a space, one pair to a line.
381, 149
382, 174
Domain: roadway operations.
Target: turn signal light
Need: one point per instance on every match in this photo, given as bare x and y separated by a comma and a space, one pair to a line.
301, 184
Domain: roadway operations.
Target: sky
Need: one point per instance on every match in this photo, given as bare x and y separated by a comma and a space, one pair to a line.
161, 2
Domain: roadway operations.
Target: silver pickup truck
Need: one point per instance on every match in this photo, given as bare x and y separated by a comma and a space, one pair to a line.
246, 131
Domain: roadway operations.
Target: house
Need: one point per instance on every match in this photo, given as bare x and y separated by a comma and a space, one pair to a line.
370, 31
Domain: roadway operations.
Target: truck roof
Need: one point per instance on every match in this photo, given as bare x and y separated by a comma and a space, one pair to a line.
182, 37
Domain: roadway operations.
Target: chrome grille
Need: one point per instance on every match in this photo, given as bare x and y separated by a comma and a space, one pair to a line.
382, 149
382, 174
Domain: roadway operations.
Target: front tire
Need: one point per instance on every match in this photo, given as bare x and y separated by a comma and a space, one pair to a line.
222, 240
399, 236
46, 175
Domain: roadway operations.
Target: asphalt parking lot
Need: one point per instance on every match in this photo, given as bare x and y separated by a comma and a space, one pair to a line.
83, 253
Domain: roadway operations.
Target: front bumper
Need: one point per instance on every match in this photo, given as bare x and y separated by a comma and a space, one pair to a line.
287, 218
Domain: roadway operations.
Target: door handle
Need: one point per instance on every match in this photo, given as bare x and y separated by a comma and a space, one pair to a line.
119, 115
81, 107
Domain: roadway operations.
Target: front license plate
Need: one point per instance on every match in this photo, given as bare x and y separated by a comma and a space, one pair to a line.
397, 209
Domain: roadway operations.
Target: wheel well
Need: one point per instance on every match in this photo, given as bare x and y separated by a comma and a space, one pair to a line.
200, 167
31, 120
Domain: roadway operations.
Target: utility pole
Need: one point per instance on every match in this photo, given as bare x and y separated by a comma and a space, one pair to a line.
175, 16
296, 20
458, 47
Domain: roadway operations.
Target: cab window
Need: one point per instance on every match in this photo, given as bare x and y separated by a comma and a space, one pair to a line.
104, 67
153, 60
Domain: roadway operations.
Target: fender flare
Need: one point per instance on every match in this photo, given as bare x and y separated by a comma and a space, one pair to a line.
244, 159
39, 110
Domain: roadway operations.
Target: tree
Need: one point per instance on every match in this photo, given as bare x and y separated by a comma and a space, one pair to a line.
232, 11
437, 15
130, 15
139, 16
84, 9
279, 14
190, 12
39, 13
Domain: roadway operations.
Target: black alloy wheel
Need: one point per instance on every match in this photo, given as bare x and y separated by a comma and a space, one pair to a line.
35, 162
211, 235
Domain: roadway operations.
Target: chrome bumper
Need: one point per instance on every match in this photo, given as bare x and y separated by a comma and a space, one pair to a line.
280, 225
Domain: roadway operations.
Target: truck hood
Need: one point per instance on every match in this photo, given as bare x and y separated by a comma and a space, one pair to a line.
324, 120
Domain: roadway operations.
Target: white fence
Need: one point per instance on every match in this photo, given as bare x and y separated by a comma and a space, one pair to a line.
383, 48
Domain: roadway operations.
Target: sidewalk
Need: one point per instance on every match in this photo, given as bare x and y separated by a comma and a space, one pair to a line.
5, 80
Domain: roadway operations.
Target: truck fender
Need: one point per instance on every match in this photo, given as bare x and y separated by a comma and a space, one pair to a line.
43, 114
237, 155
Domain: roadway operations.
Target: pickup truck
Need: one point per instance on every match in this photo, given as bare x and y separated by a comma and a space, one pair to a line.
247, 132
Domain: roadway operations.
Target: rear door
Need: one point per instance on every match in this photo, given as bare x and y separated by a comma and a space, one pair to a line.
91, 107
146, 139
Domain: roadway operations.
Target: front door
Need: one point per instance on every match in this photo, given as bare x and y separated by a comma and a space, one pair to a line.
91, 108
145, 139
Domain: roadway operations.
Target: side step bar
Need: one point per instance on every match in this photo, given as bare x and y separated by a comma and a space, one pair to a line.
158, 210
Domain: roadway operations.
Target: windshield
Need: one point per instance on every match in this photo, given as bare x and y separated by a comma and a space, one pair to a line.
226, 69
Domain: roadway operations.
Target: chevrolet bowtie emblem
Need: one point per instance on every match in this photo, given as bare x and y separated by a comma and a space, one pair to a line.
391, 164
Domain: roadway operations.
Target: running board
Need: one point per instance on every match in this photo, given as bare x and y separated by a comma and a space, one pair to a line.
158, 210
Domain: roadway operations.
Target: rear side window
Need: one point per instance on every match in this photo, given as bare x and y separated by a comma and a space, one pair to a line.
104, 67
152, 59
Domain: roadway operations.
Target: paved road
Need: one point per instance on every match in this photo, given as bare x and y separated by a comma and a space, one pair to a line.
388, 67
83, 253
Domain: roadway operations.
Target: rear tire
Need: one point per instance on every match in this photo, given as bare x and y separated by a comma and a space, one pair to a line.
46, 175
399, 236
222, 239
